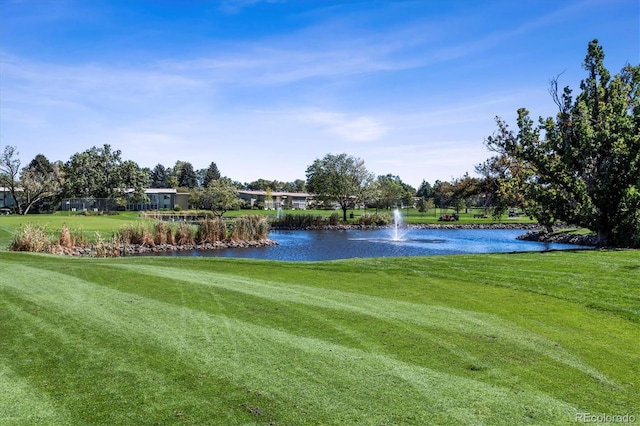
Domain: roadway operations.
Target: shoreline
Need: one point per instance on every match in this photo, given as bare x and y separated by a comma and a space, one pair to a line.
534, 233
523, 226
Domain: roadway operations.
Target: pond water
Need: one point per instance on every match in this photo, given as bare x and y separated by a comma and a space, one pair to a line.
343, 244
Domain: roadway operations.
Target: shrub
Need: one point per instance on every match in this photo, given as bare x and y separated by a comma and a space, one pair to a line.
250, 228
103, 248
65, 239
379, 219
160, 232
298, 221
170, 235
210, 231
72, 238
184, 234
137, 234
334, 219
33, 238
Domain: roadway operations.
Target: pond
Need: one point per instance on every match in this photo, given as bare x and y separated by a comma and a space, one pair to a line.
343, 244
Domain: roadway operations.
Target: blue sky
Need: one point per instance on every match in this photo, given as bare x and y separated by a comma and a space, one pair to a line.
263, 88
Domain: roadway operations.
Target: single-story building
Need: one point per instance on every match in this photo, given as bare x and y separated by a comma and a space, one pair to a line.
88, 204
160, 198
278, 199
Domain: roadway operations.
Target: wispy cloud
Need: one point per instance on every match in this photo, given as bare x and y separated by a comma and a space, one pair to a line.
349, 128
236, 6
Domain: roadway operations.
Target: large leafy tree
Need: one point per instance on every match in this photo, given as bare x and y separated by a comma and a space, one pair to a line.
100, 173
341, 179
39, 181
93, 173
390, 191
584, 164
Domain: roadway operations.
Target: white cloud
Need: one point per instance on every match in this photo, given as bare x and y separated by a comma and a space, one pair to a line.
347, 127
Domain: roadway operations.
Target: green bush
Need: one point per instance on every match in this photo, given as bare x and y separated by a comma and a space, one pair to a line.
379, 219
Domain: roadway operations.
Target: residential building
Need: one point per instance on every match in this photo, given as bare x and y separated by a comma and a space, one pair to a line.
160, 199
278, 199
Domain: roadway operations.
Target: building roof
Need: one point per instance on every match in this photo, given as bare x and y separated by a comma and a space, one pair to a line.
275, 193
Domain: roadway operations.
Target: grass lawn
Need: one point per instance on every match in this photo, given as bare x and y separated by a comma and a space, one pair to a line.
501, 339
106, 225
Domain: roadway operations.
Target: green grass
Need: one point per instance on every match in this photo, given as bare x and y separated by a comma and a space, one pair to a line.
106, 225
479, 339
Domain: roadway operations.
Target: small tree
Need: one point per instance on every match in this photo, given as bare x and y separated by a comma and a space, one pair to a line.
221, 196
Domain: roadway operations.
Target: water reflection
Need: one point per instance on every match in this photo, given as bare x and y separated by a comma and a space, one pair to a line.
342, 244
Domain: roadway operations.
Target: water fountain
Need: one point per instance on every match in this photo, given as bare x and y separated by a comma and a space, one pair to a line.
397, 223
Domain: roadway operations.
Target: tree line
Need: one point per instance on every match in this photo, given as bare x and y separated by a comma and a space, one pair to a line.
580, 167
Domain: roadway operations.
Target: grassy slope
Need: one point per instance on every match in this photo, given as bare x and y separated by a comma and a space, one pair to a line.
491, 339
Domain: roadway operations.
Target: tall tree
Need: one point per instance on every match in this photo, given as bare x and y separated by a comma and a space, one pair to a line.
187, 177
100, 173
9, 172
159, 177
585, 162
134, 179
443, 194
210, 174
340, 179
425, 190
94, 173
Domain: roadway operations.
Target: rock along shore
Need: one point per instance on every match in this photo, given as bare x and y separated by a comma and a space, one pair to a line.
524, 226
560, 237
115, 250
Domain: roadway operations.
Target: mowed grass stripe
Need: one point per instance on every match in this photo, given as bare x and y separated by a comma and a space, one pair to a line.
431, 317
613, 353
433, 320
100, 375
364, 387
23, 403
